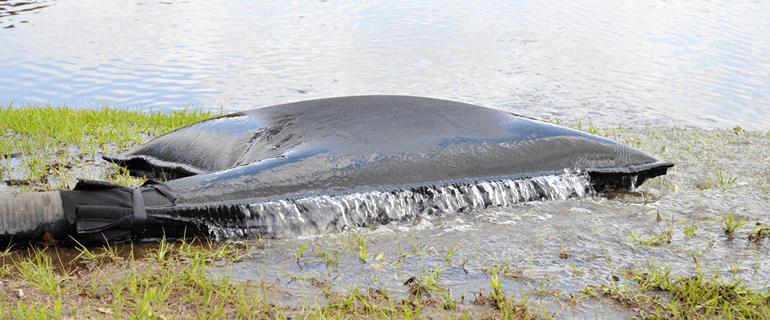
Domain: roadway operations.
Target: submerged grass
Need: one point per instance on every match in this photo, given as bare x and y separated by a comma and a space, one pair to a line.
42, 148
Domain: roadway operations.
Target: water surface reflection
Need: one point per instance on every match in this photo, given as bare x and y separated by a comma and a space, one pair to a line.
698, 63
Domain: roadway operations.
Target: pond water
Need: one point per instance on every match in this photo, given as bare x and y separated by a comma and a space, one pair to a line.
696, 63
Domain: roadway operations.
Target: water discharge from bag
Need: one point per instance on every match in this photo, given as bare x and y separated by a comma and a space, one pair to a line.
325, 213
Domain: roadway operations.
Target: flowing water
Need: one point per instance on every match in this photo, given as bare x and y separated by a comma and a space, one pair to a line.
701, 64
287, 218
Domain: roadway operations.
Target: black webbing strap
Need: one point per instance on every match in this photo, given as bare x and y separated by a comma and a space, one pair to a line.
163, 189
140, 214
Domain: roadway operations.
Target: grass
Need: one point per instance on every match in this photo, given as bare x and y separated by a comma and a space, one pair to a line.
731, 224
186, 280
725, 179
183, 283
759, 232
690, 230
451, 252
658, 294
38, 271
423, 285
126, 286
300, 252
42, 147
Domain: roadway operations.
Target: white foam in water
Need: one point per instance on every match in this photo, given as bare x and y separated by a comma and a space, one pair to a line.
308, 215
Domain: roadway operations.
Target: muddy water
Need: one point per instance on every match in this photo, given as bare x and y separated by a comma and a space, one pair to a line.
700, 63
551, 249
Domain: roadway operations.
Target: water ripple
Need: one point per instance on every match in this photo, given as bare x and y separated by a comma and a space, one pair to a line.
697, 63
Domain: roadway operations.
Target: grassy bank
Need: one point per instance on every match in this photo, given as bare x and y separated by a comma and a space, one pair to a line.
47, 148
